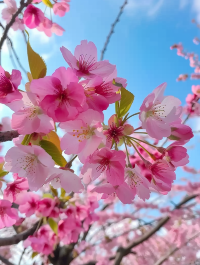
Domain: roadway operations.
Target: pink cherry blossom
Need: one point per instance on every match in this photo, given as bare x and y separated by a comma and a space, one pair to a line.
163, 176
33, 16
8, 215
180, 132
123, 192
176, 155
18, 24
57, 29
15, 188
69, 230
158, 112
116, 131
31, 118
9, 86
66, 179
46, 206
109, 161
137, 182
9, 10
61, 8
28, 203
196, 90
43, 242
100, 92
83, 134
60, 94
31, 162
84, 61
45, 26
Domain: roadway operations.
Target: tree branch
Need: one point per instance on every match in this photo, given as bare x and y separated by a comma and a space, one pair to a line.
122, 252
171, 252
5, 261
7, 241
9, 25
112, 29
8, 135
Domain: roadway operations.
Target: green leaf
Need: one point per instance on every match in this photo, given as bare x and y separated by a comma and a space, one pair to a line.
125, 103
63, 192
54, 191
34, 254
53, 151
47, 195
47, 3
36, 63
53, 225
3, 173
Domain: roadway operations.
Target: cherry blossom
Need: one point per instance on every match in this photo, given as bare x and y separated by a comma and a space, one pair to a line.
158, 112
84, 61
84, 134
28, 203
60, 94
8, 215
15, 188
33, 16
109, 161
61, 8
31, 162
9, 86
31, 118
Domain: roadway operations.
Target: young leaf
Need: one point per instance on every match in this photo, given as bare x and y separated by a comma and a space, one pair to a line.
47, 3
54, 191
125, 103
47, 195
53, 137
36, 63
54, 152
53, 225
34, 254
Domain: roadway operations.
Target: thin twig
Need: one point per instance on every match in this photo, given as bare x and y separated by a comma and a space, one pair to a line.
21, 257
175, 249
112, 29
12, 21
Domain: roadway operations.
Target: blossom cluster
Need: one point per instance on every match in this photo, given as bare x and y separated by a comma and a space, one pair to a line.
34, 17
74, 99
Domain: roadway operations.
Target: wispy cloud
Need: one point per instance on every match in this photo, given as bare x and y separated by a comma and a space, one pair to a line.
196, 9
147, 7
183, 3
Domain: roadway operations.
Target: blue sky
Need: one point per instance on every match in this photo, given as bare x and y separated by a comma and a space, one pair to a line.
139, 46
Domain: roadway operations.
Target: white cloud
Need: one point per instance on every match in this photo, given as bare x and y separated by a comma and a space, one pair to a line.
196, 9
147, 7
183, 3
154, 10
40, 36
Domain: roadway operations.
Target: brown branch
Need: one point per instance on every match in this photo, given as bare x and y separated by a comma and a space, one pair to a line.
8, 135
9, 25
175, 249
5, 261
122, 252
112, 29
7, 241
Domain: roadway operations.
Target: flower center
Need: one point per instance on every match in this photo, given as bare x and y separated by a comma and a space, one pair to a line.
27, 163
84, 133
104, 89
133, 179
103, 164
114, 133
157, 111
5, 86
85, 64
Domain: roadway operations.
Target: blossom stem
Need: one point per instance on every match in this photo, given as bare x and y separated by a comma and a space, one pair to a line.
151, 155
138, 128
144, 142
131, 116
137, 151
127, 154
69, 164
